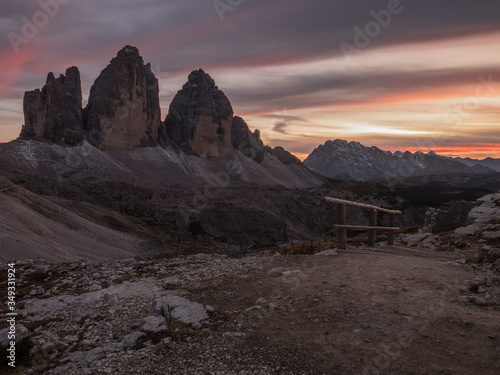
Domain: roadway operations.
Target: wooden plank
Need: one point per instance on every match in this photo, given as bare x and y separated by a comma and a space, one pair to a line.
372, 232
342, 231
361, 205
366, 227
392, 222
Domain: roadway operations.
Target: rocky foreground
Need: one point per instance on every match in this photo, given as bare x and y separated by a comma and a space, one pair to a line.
430, 306
265, 313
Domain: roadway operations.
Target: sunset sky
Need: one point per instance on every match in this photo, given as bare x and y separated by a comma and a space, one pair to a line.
400, 75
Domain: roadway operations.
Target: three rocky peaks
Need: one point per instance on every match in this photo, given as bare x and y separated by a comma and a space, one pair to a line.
123, 113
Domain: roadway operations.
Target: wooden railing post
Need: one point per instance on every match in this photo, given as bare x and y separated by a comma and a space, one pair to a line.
371, 228
372, 233
342, 232
392, 222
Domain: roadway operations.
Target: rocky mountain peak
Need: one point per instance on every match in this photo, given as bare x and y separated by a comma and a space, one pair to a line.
123, 113
344, 160
54, 113
130, 51
124, 109
50, 78
199, 77
199, 119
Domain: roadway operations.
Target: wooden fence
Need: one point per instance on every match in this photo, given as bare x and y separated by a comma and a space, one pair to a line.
372, 228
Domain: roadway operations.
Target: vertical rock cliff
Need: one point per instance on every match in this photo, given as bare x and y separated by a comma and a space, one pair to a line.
248, 143
55, 112
124, 109
199, 119
123, 113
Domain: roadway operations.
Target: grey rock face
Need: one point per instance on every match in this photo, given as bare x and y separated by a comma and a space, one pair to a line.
175, 308
199, 118
55, 112
124, 110
248, 143
283, 155
154, 324
132, 338
455, 217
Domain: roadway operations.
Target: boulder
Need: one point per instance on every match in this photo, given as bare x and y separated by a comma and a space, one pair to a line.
199, 119
132, 338
124, 108
154, 324
455, 217
175, 308
55, 112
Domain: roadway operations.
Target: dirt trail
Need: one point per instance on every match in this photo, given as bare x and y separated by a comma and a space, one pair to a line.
374, 311
364, 314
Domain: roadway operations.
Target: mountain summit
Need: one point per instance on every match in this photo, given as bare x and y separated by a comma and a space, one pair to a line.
202, 173
199, 118
123, 113
54, 113
124, 107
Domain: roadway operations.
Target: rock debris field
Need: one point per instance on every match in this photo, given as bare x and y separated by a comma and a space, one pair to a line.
355, 312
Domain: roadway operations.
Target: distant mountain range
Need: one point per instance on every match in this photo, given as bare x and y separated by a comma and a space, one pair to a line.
353, 161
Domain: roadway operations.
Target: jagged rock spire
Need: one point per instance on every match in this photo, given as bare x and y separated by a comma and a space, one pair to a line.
124, 108
55, 112
199, 118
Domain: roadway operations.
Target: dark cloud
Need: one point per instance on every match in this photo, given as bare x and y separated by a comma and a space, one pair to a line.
280, 127
180, 34
313, 90
263, 32
284, 120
